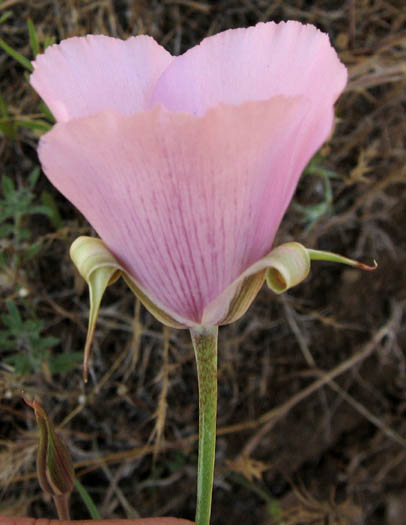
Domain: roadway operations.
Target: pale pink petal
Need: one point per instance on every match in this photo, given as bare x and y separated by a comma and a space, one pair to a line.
84, 75
255, 63
185, 203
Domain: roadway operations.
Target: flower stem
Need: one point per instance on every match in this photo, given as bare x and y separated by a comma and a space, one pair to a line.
204, 341
62, 506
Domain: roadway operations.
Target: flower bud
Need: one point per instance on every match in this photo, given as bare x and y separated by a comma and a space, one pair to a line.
54, 463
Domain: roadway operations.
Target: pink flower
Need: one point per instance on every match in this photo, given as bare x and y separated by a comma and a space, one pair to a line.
185, 165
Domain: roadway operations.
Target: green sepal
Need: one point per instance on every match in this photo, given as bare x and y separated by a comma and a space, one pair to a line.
99, 268
317, 255
288, 265
283, 267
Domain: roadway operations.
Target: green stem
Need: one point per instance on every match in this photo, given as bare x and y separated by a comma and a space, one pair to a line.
204, 340
62, 506
87, 500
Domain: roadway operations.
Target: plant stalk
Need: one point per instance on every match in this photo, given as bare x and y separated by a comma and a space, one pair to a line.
62, 506
204, 340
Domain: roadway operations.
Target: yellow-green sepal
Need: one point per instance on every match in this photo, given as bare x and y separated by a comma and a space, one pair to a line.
282, 268
317, 255
99, 268
288, 265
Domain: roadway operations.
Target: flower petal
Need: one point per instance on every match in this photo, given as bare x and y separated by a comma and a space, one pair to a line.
185, 203
253, 63
86, 75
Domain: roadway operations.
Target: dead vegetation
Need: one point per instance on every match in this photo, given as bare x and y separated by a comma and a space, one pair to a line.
311, 385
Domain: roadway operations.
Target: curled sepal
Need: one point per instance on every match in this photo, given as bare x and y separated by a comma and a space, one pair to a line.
99, 269
54, 463
288, 265
283, 267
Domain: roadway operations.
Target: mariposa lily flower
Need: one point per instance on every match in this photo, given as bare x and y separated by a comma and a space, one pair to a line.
185, 165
